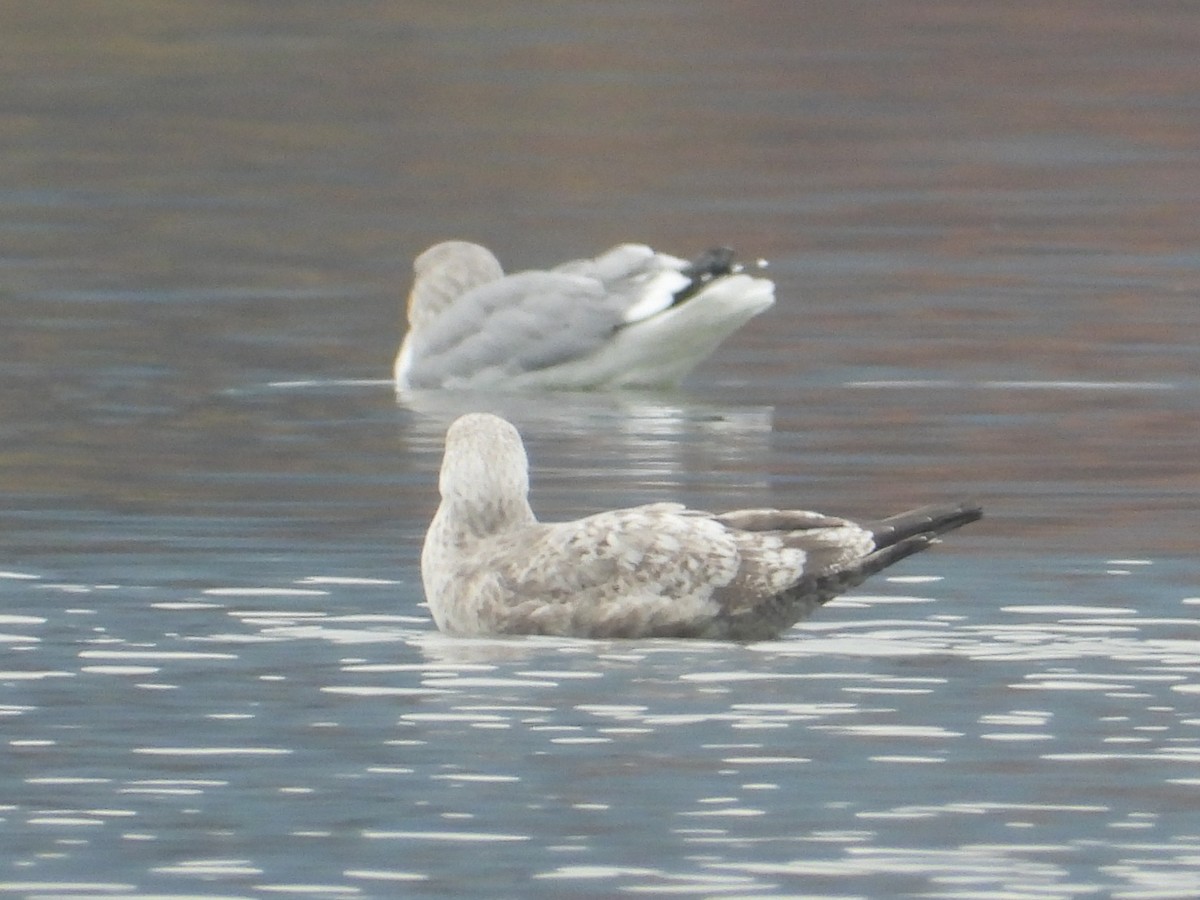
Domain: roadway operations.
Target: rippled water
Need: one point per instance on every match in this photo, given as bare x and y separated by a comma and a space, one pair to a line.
307, 738
217, 678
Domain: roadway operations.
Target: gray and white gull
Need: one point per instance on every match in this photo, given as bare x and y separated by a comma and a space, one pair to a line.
630, 317
489, 567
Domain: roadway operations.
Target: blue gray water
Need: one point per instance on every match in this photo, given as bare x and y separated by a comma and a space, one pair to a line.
217, 678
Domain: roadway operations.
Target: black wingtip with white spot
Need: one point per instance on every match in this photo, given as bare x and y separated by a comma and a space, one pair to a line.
709, 265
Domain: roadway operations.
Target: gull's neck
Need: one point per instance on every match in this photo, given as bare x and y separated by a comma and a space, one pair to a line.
478, 518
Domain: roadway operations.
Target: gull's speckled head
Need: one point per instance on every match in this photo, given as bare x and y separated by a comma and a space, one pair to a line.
445, 272
485, 463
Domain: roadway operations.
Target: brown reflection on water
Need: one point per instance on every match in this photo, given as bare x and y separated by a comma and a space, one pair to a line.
202, 197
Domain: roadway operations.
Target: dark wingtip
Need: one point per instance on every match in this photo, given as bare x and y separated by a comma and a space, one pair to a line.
928, 521
902, 535
714, 263
893, 553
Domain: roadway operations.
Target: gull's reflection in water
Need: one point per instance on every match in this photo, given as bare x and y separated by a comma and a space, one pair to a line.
452, 651
657, 442
572, 658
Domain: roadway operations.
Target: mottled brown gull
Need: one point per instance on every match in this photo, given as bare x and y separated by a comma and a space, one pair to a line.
489, 567
631, 317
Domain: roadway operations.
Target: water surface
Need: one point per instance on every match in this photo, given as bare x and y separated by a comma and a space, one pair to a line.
218, 678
